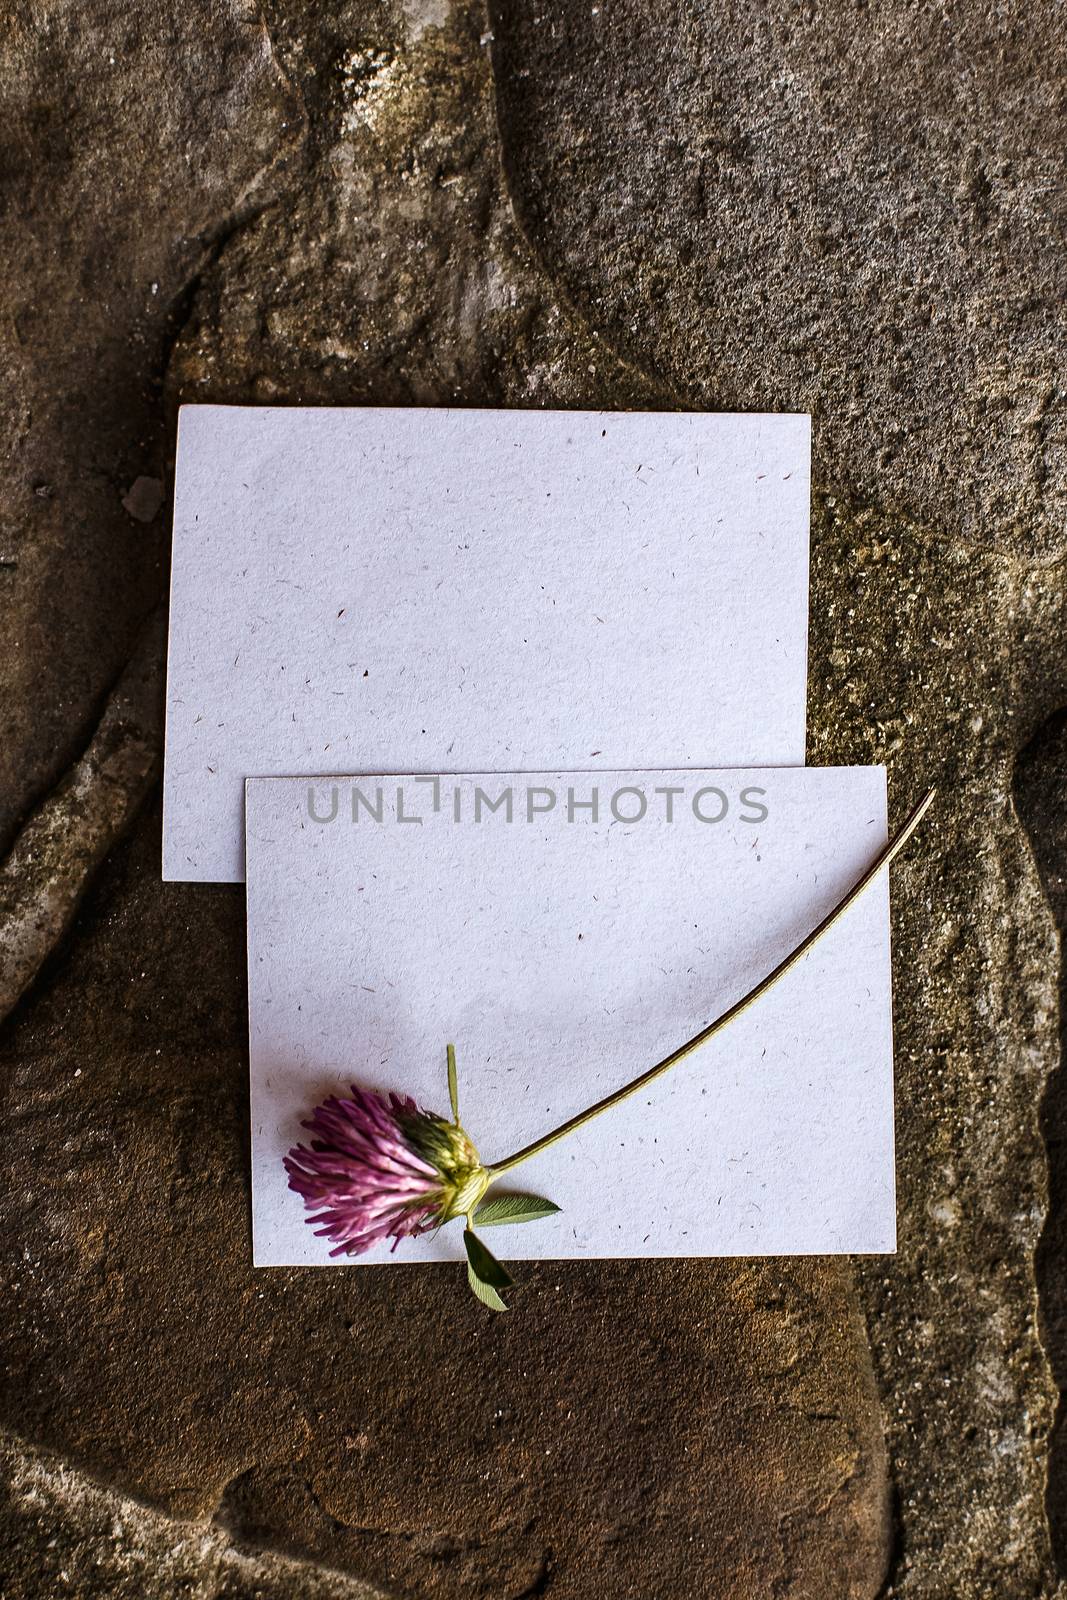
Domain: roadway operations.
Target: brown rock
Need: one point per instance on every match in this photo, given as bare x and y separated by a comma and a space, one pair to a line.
131, 138
710, 1424
1040, 791
57, 853
852, 211
65, 1535
623, 1431
630, 1429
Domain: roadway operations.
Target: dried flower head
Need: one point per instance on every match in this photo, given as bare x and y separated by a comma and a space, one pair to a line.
383, 1169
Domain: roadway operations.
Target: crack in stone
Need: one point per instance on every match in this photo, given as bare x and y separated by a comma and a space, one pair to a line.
62, 843
84, 1537
1040, 792
57, 852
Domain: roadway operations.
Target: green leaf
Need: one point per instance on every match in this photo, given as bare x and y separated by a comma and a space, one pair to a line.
484, 1263
500, 1208
453, 1087
484, 1291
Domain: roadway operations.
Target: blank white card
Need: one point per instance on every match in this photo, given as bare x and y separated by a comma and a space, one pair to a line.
566, 931
438, 590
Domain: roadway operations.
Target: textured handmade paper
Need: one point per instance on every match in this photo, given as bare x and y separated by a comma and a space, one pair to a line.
562, 955
424, 590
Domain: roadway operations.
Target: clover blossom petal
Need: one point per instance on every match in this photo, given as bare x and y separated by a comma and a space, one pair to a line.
378, 1168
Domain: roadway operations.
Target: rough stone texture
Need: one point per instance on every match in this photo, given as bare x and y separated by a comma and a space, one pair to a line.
777, 207
786, 205
56, 854
131, 138
66, 1536
381, 1426
1040, 788
393, 274
858, 211
933, 656
383, 1423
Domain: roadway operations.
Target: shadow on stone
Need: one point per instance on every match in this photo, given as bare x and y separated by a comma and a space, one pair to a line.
1041, 800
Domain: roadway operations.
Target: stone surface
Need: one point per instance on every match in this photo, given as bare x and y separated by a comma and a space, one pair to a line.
627, 1429
56, 854
782, 208
1040, 788
67, 1537
938, 659
393, 274
852, 210
131, 139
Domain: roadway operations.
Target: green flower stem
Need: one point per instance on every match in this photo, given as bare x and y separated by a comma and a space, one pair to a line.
889, 854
